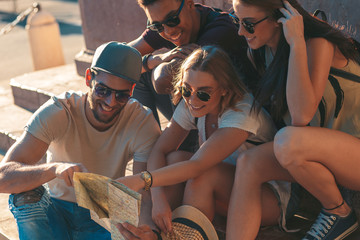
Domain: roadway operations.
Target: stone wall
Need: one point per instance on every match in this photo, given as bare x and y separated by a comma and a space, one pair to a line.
343, 13
119, 20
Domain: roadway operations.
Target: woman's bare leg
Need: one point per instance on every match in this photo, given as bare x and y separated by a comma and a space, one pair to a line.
210, 192
175, 193
318, 159
252, 203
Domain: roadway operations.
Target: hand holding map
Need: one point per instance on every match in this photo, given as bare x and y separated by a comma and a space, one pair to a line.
108, 199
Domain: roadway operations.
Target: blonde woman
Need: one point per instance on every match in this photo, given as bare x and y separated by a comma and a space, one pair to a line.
213, 100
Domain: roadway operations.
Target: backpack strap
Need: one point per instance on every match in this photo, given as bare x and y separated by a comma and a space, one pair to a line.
254, 142
322, 111
339, 94
344, 74
322, 14
339, 100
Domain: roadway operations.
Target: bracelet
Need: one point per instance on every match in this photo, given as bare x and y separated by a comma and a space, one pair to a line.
147, 177
145, 62
329, 209
157, 234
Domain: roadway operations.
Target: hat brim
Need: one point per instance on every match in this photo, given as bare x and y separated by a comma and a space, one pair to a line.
115, 74
194, 218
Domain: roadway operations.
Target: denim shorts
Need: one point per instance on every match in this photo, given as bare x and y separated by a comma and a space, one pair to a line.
288, 195
52, 218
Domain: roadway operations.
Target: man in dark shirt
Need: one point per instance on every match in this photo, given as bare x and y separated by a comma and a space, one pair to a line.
175, 28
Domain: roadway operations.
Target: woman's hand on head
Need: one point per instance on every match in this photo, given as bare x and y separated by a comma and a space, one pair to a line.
292, 23
181, 52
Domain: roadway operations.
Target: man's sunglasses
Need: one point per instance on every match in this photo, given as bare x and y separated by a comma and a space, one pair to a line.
249, 26
203, 96
103, 91
171, 21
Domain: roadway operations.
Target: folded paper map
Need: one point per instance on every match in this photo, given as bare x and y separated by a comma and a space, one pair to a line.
110, 202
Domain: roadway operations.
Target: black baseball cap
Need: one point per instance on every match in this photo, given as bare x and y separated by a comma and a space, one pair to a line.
118, 59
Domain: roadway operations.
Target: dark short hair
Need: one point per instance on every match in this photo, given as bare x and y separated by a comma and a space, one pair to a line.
144, 3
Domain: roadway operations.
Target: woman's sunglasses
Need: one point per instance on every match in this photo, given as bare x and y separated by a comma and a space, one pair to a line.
249, 26
171, 21
203, 96
103, 91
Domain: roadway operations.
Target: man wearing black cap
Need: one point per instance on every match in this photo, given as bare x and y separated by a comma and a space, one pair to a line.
99, 132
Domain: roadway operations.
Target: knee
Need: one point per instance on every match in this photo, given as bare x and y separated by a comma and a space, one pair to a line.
162, 85
196, 185
250, 170
203, 182
208, 180
174, 157
288, 144
246, 166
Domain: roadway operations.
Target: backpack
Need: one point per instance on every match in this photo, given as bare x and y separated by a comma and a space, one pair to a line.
334, 72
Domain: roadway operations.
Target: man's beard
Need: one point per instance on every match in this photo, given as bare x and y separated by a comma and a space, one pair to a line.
102, 120
94, 104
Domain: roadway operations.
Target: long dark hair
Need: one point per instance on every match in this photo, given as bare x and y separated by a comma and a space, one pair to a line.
271, 90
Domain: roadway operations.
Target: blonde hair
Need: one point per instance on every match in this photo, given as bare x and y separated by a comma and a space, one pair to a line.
213, 60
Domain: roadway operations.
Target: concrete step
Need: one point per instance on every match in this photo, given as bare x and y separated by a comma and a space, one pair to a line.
31, 90
12, 121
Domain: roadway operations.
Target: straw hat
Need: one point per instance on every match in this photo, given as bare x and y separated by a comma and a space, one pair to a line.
190, 223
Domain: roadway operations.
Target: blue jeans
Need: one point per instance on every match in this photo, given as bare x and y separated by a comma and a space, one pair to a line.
52, 218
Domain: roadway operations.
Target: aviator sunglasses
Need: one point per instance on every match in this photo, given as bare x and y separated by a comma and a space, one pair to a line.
203, 96
249, 26
171, 21
103, 91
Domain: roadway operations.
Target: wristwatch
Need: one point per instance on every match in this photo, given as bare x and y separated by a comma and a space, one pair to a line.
146, 176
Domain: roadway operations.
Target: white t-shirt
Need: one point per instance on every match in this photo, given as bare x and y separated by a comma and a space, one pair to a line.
260, 126
61, 123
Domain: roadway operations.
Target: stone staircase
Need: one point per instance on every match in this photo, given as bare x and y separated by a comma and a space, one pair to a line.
24, 95
27, 93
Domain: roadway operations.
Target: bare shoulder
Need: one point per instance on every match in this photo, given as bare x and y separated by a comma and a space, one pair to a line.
320, 54
319, 44
322, 48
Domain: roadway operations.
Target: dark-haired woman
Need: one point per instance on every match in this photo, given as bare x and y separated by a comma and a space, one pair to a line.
293, 53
